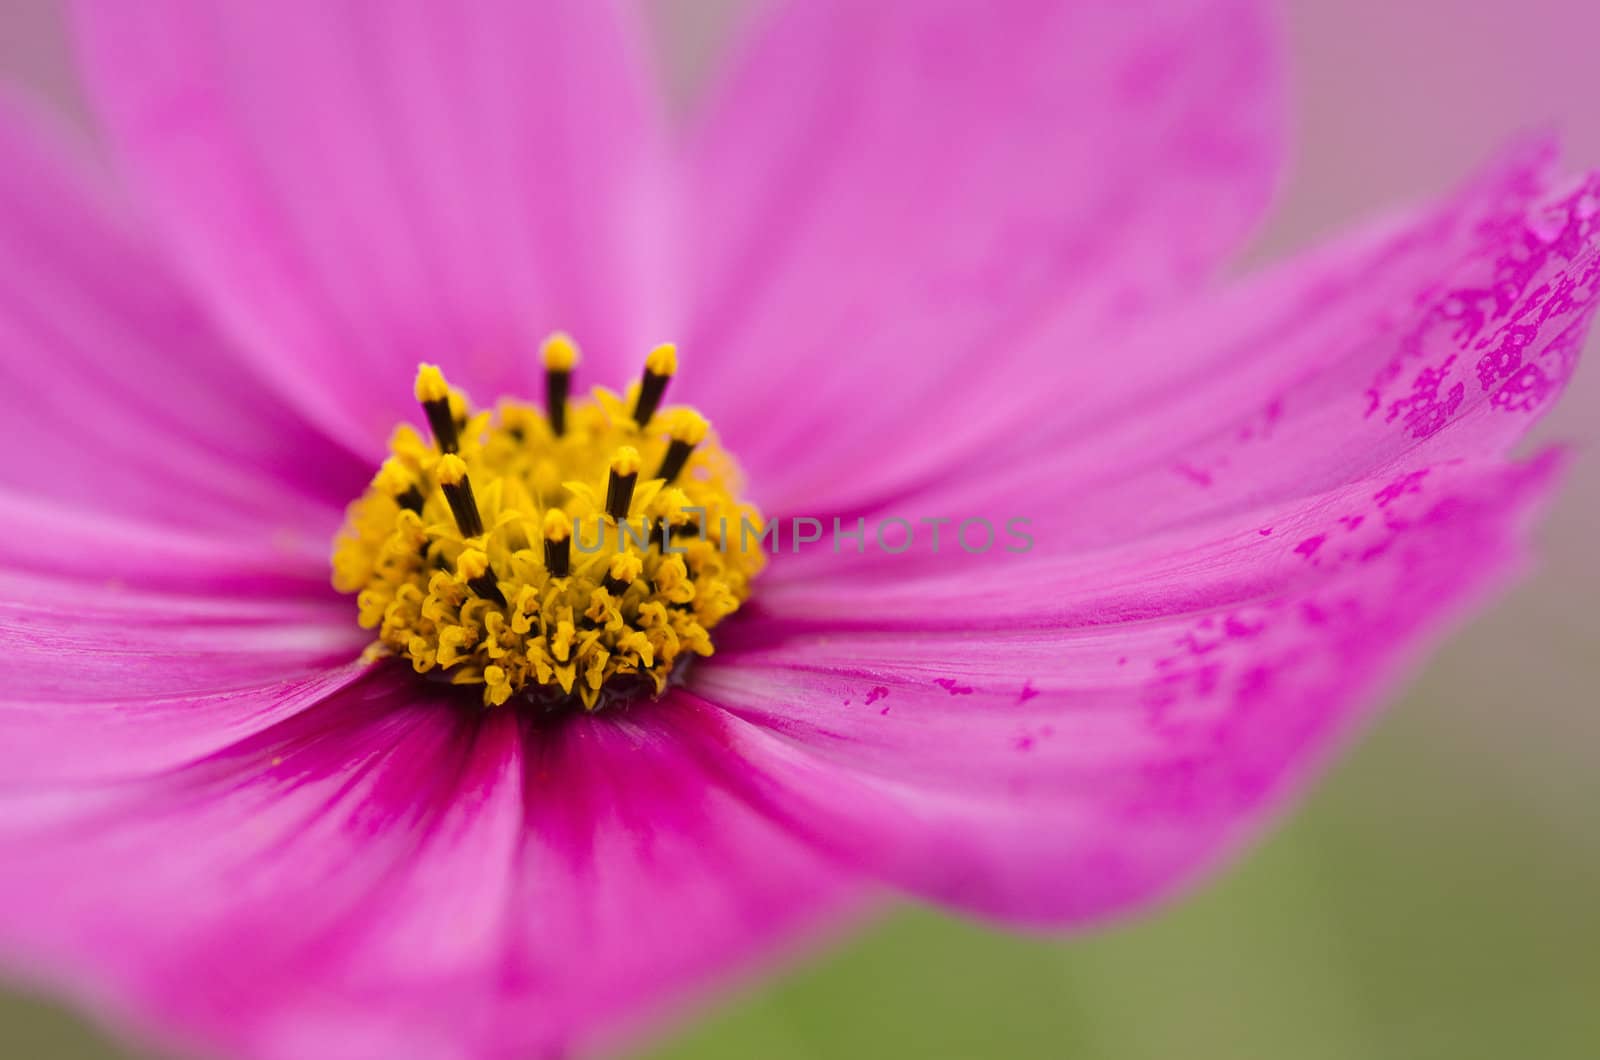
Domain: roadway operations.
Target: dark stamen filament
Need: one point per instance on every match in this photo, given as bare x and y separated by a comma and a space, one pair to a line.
558, 557
463, 506
458, 491
658, 371
556, 386
486, 587
619, 489
557, 543
678, 453
443, 425
560, 357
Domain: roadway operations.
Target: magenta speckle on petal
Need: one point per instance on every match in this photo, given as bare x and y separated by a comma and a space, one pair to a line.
1405, 485
1238, 626
949, 684
1198, 476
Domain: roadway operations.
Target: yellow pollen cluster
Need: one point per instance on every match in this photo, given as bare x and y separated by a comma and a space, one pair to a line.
577, 554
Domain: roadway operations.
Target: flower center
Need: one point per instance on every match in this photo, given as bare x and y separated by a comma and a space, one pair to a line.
579, 554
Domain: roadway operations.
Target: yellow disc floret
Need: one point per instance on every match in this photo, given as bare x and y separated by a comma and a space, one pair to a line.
580, 554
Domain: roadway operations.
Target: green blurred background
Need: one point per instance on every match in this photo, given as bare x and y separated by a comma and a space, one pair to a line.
1437, 896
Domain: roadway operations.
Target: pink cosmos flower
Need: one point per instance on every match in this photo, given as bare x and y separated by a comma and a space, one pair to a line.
926, 260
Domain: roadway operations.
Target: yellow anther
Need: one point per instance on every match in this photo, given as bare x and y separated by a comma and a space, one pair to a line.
624, 477
452, 470
393, 478
689, 427
688, 430
663, 360
560, 352
625, 461
539, 589
458, 494
557, 525
472, 563
557, 543
659, 367
431, 385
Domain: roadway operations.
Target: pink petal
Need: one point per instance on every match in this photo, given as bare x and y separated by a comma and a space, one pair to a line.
1248, 522
381, 876
1088, 743
357, 188
119, 396
127, 672
105, 548
1445, 335
894, 196
167, 522
1437, 336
